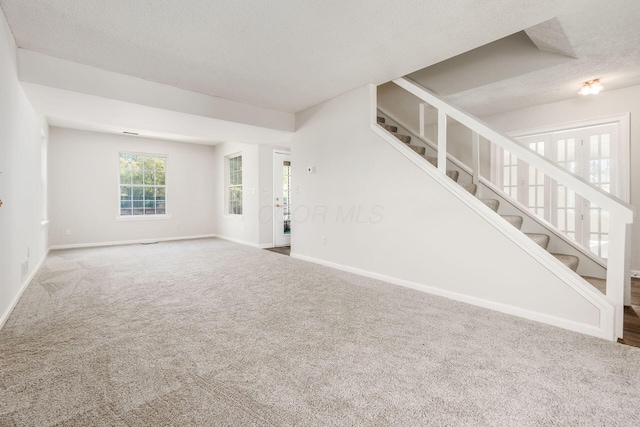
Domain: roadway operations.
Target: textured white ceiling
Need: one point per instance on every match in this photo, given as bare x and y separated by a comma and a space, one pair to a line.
281, 54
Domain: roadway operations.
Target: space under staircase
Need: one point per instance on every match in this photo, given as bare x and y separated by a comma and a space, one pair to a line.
616, 284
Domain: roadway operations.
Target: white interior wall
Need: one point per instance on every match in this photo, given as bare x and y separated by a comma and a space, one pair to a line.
239, 228
367, 209
22, 235
84, 189
582, 108
266, 187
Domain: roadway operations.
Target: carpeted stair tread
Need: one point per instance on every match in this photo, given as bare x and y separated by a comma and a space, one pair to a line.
419, 150
541, 239
390, 128
492, 203
453, 175
599, 284
432, 160
471, 188
381, 119
404, 138
515, 220
568, 260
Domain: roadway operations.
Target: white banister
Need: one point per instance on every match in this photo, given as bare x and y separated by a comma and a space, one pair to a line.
442, 141
617, 274
579, 185
422, 120
475, 157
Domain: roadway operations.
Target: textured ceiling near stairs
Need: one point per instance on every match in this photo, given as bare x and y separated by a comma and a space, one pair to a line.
281, 54
605, 40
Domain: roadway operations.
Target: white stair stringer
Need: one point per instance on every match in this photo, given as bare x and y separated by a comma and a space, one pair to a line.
607, 311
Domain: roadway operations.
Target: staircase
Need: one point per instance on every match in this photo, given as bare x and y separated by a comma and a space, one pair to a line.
570, 261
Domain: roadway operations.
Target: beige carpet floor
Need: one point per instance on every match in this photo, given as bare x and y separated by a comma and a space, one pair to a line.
208, 332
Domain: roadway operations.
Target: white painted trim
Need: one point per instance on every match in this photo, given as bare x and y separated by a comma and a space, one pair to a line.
266, 246
598, 332
242, 242
131, 242
25, 284
141, 217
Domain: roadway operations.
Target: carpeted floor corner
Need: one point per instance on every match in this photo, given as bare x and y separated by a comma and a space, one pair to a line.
208, 332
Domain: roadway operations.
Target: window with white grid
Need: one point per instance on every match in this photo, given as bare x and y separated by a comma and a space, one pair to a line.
143, 185
234, 184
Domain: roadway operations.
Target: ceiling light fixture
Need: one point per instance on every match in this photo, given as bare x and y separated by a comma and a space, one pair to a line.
592, 87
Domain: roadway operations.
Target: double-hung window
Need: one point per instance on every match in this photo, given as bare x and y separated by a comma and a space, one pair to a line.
234, 184
143, 185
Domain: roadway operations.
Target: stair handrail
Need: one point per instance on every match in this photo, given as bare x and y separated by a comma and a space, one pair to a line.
621, 213
551, 169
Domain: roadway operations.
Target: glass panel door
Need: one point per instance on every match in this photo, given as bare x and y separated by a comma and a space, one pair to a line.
282, 198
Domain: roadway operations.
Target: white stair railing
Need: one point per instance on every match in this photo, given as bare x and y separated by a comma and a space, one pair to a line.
621, 213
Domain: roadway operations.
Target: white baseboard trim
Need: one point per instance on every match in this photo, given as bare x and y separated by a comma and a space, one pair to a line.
491, 305
23, 287
635, 273
242, 242
266, 246
130, 242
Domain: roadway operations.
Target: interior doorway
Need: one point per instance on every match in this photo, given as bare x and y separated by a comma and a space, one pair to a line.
282, 198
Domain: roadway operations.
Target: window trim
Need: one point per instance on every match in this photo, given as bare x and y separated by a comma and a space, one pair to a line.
227, 185
143, 217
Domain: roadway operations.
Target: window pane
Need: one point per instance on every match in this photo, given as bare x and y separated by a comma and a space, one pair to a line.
561, 150
507, 176
125, 204
137, 193
160, 208
604, 246
126, 212
540, 196
150, 193
532, 196
562, 223
571, 220
561, 196
604, 221
594, 217
594, 147
160, 177
149, 177
605, 146
160, 193
125, 193
571, 150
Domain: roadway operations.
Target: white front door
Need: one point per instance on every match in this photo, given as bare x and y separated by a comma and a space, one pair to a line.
282, 198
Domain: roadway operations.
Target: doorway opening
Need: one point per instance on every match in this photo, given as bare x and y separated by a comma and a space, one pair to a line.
282, 198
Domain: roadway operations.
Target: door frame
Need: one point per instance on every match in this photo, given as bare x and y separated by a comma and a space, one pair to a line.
276, 152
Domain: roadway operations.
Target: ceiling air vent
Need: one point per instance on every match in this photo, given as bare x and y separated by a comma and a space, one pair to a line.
131, 133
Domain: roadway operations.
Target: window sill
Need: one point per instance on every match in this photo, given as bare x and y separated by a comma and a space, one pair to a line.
232, 216
142, 217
